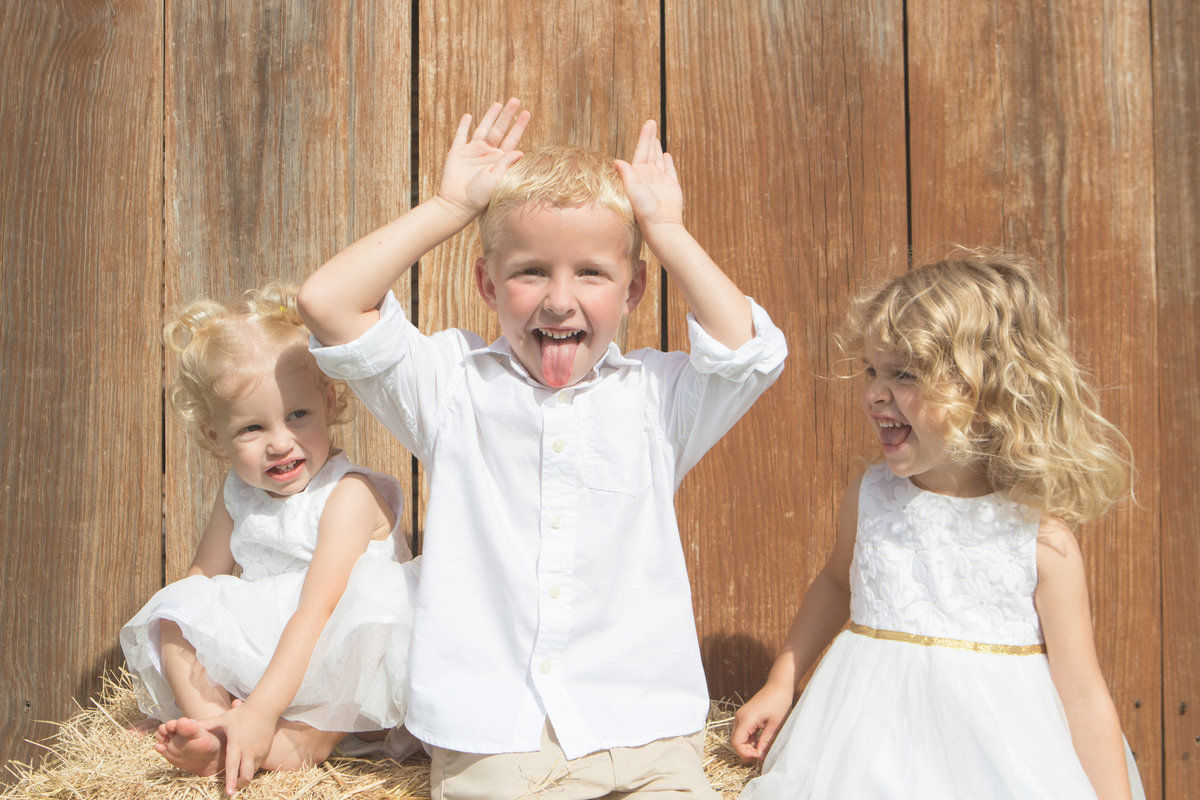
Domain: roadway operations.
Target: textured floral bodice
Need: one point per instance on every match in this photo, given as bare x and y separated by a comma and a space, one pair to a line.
273, 535
934, 565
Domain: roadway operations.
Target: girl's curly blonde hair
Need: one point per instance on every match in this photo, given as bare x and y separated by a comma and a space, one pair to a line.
981, 335
223, 347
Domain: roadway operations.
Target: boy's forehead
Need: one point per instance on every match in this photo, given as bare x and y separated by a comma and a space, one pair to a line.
537, 224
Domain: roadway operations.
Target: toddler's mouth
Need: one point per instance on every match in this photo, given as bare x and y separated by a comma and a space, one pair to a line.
286, 468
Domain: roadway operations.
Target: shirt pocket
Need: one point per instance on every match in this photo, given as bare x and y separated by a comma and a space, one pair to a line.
616, 452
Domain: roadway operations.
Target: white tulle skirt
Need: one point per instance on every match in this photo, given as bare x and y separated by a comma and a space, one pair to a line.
357, 677
887, 719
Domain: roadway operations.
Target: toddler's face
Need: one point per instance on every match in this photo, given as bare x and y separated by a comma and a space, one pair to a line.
561, 280
911, 432
275, 430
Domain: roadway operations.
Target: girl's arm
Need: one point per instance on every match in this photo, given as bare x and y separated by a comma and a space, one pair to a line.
657, 199
338, 302
354, 515
213, 556
822, 613
1062, 605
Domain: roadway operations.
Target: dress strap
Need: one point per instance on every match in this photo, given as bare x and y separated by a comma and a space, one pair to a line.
958, 644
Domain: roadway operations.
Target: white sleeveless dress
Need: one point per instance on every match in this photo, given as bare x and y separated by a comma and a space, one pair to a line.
357, 677
901, 706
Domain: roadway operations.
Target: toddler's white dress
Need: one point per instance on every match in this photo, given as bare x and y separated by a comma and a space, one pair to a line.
357, 677
905, 703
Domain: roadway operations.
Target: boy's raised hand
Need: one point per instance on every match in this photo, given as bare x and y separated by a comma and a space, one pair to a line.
474, 166
651, 182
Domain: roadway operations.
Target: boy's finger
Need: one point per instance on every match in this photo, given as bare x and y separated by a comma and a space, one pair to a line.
515, 132
485, 124
460, 135
642, 154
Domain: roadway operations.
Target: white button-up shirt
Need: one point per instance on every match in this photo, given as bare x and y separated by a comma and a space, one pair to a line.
553, 581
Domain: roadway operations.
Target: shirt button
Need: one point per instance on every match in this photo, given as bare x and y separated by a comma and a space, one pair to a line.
555, 592
545, 667
559, 445
563, 396
556, 523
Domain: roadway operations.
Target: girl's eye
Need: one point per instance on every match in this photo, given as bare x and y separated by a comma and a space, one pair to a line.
906, 377
869, 372
299, 414
254, 428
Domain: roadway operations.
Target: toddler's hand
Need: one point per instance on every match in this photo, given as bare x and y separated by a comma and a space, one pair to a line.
757, 722
651, 182
473, 168
248, 738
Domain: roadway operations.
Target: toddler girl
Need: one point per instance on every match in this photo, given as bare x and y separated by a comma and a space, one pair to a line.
969, 668
274, 667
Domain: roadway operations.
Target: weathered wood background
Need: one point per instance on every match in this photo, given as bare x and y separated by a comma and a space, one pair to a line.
157, 150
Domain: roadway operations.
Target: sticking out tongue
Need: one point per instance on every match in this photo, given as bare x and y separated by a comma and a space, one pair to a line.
558, 359
894, 436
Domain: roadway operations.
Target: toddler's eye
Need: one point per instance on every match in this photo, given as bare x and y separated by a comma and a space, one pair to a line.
869, 372
300, 413
253, 428
906, 377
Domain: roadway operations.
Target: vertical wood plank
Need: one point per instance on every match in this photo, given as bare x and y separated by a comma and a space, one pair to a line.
1031, 130
1177, 245
287, 138
588, 71
80, 428
786, 121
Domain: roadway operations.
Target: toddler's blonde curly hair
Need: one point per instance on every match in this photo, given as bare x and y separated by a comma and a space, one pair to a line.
981, 335
223, 347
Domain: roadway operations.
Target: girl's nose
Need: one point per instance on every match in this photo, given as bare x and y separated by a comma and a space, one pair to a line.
876, 392
280, 442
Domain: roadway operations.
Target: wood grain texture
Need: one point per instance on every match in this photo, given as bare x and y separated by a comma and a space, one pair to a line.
1177, 250
786, 121
1031, 130
587, 69
287, 138
80, 425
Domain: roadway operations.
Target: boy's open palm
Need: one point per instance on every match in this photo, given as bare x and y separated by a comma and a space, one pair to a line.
474, 166
651, 181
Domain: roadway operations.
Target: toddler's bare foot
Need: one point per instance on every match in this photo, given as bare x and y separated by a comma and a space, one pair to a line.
190, 746
142, 728
297, 746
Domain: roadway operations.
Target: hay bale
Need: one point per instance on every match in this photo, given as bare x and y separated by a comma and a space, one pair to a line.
93, 757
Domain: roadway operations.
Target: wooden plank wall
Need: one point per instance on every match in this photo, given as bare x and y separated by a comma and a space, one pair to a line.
166, 149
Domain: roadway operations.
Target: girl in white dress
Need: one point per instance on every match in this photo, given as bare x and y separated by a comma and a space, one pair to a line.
272, 668
968, 669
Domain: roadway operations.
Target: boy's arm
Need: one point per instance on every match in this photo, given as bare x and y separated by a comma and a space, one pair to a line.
339, 301
654, 191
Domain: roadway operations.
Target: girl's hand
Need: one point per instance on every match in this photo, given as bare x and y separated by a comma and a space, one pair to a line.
248, 738
651, 182
473, 168
757, 722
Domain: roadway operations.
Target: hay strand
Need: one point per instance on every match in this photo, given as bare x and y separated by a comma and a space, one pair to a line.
93, 756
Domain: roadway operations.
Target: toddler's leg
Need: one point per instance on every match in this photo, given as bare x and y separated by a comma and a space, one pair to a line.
184, 742
297, 746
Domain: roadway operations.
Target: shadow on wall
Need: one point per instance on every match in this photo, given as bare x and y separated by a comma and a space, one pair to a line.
736, 665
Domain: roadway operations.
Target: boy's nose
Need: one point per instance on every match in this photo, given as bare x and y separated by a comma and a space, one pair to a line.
560, 300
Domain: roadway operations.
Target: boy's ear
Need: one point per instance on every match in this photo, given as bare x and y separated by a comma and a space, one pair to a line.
637, 286
483, 282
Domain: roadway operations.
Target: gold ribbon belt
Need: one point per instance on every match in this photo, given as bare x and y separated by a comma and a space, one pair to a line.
959, 644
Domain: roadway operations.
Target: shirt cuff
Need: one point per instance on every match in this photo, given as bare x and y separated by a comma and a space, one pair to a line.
378, 348
763, 353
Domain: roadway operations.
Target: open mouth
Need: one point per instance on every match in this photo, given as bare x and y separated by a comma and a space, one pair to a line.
892, 433
287, 469
558, 354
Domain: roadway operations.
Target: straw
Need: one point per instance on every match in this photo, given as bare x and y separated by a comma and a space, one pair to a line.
93, 756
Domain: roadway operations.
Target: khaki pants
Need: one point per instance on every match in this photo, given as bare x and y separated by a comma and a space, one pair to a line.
666, 768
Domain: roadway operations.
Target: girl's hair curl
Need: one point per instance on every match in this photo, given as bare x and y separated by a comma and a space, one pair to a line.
981, 335
222, 347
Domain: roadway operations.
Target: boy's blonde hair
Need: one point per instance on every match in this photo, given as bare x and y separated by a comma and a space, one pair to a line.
981, 335
558, 177
222, 347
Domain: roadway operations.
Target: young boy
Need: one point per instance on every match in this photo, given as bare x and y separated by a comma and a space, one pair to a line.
554, 643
